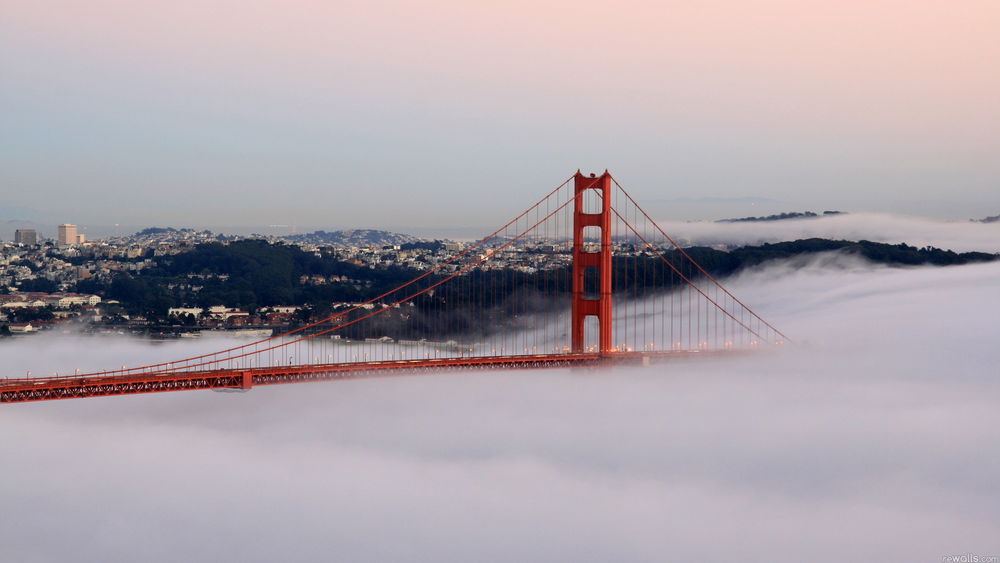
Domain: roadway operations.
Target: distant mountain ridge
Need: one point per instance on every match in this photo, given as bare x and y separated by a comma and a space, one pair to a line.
153, 231
782, 217
992, 219
354, 237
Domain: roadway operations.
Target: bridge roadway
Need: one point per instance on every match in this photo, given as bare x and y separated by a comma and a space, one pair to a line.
70, 387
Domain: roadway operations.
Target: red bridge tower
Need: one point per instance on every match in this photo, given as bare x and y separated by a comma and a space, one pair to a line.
583, 305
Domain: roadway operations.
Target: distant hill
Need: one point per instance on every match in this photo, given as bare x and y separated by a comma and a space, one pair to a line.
876, 252
354, 237
993, 219
153, 231
255, 273
781, 217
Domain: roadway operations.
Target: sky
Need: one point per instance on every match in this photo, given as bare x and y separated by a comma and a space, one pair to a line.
427, 115
871, 439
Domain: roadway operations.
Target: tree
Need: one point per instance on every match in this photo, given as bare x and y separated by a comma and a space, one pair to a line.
41, 285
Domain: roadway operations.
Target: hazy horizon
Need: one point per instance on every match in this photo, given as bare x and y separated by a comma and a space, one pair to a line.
397, 112
959, 236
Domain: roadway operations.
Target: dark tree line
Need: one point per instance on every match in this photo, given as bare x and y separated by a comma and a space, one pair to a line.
253, 274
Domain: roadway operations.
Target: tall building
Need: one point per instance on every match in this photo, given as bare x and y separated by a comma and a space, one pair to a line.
27, 237
67, 234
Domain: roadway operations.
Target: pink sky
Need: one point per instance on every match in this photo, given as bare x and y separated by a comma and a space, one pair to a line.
897, 97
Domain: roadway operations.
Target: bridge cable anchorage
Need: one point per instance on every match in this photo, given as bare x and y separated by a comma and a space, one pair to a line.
537, 292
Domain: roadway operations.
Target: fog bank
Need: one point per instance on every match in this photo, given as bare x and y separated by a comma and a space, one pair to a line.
960, 236
875, 437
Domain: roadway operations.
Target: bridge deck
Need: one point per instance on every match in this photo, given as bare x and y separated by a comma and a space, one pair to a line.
69, 387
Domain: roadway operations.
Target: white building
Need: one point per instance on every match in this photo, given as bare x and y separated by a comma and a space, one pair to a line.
180, 311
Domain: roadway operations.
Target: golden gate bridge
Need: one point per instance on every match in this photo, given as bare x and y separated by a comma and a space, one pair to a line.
583, 277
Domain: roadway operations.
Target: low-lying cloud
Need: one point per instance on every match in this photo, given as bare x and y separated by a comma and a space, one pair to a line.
874, 438
960, 236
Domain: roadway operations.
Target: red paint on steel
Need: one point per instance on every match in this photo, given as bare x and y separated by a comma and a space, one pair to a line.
25, 390
583, 306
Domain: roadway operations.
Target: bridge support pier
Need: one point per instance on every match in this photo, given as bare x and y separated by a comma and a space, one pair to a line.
592, 294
